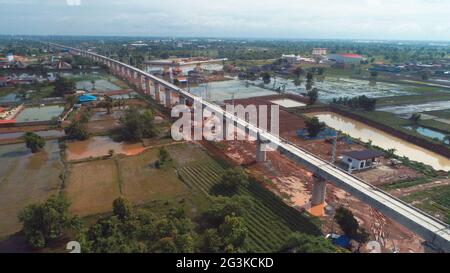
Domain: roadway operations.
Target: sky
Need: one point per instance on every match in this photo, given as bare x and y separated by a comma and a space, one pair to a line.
294, 19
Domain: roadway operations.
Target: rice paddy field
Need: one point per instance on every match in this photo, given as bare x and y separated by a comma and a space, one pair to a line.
26, 179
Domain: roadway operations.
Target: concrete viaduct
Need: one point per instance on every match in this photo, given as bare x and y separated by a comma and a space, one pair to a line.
435, 232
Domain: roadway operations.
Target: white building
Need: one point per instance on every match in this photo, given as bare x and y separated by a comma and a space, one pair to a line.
291, 59
320, 52
360, 160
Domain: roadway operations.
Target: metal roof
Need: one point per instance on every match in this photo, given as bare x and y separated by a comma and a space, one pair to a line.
363, 155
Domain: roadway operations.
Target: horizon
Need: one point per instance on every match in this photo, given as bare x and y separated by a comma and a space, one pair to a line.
417, 20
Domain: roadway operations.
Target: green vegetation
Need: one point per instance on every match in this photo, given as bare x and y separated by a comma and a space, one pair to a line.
76, 131
267, 219
362, 102
435, 201
164, 159
233, 180
34, 142
108, 105
313, 96
350, 226
408, 183
137, 124
314, 126
64, 86
415, 118
44, 223
266, 77
130, 231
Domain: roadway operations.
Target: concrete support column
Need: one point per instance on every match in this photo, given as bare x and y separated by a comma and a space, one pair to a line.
168, 97
147, 87
319, 191
261, 154
157, 92
143, 84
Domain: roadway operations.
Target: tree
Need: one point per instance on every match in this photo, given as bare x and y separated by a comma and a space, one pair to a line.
137, 125
64, 86
225, 206
266, 77
313, 95
122, 209
304, 243
76, 131
425, 75
391, 153
211, 242
309, 81
314, 126
233, 179
108, 105
43, 223
415, 118
234, 233
34, 142
347, 221
298, 72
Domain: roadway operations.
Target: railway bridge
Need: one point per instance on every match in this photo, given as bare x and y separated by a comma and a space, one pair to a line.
433, 231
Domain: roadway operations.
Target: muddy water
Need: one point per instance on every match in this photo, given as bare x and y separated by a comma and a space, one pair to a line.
100, 146
384, 140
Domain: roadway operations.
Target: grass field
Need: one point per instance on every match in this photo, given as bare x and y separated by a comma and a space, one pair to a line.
26, 179
269, 221
141, 182
92, 187
445, 114
435, 201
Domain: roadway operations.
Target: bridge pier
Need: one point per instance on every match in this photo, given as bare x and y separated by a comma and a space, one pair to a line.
319, 191
168, 97
157, 92
148, 89
261, 153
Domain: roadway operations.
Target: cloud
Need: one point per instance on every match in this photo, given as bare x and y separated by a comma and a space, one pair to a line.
383, 19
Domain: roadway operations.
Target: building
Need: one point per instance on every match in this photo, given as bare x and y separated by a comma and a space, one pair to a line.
291, 59
360, 160
320, 52
346, 58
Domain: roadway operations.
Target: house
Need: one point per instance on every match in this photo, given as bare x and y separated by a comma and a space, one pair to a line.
360, 160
